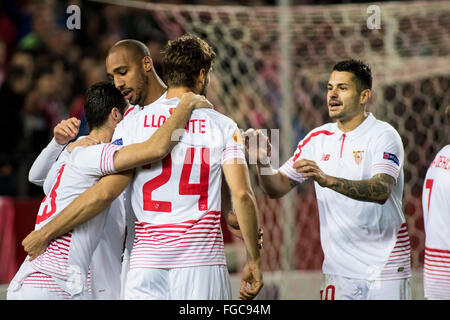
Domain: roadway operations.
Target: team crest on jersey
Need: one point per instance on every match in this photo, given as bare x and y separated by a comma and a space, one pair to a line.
358, 156
171, 110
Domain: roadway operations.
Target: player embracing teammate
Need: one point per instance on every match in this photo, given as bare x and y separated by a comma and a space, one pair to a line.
356, 163
178, 250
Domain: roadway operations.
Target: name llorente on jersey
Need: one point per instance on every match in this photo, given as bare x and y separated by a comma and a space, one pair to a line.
193, 125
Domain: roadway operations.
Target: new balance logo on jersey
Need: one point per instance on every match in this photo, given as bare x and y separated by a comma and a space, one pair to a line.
392, 157
325, 157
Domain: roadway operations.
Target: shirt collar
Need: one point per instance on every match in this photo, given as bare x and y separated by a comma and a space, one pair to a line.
359, 130
159, 100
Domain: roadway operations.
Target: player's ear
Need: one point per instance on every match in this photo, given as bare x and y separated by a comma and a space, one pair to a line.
147, 63
202, 77
364, 96
116, 114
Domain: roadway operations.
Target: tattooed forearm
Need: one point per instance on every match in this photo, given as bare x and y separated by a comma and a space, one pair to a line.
376, 189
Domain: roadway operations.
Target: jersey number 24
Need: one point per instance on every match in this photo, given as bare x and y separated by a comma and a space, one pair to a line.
185, 188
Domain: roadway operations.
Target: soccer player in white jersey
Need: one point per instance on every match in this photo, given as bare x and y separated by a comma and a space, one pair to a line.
61, 272
436, 215
178, 250
189, 190
357, 167
130, 65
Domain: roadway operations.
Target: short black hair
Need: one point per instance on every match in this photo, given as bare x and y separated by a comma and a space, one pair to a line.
101, 98
361, 71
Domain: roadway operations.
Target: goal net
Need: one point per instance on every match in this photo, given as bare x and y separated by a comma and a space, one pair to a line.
271, 72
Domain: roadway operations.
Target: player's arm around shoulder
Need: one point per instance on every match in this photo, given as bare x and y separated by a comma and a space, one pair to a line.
90, 203
164, 139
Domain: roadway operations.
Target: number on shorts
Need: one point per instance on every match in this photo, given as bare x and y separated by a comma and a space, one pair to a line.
329, 293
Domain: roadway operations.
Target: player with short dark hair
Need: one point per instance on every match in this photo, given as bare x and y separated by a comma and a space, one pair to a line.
356, 163
361, 72
62, 270
130, 67
177, 202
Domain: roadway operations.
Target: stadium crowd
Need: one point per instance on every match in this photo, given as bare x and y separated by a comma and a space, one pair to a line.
45, 70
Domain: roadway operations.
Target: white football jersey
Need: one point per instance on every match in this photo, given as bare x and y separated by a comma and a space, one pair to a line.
124, 198
131, 111
67, 258
436, 214
176, 201
106, 263
361, 240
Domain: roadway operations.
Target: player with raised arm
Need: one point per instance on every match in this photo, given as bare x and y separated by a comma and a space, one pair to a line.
129, 66
61, 272
178, 250
436, 215
357, 167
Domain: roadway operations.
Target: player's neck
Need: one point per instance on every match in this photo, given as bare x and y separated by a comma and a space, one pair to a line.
177, 92
103, 134
347, 125
156, 90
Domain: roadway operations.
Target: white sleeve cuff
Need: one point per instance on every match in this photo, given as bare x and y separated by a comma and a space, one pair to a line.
388, 169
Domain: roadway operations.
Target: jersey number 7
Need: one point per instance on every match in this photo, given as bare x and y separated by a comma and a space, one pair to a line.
429, 185
185, 188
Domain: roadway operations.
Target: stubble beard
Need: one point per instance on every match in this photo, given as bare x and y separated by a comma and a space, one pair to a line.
141, 88
204, 89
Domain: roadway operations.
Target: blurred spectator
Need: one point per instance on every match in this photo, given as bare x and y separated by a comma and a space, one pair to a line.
12, 95
91, 71
42, 24
45, 69
45, 106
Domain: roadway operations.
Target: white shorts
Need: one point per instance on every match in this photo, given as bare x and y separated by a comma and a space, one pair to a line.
190, 283
39, 286
343, 288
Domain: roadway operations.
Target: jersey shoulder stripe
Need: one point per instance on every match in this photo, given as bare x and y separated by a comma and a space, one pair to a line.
308, 139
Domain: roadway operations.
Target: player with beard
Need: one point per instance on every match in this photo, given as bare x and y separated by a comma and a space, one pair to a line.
178, 251
356, 164
130, 67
